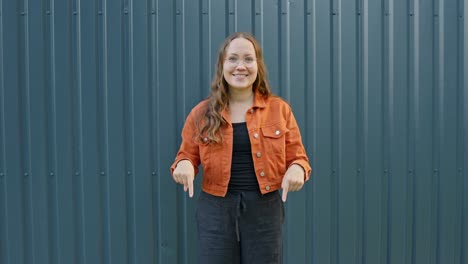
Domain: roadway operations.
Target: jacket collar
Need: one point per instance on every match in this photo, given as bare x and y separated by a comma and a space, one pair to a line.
259, 102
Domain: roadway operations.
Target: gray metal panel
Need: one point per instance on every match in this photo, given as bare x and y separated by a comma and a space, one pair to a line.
423, 89
319, 122
93, 96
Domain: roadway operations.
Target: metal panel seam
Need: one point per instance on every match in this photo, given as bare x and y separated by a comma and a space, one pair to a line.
4, 234
53, 225
128, 82
103, 126
25, 123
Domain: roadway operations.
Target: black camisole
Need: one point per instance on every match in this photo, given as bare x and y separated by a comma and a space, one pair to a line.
242, 168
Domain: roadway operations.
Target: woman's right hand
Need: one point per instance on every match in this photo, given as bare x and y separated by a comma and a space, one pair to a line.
184, 174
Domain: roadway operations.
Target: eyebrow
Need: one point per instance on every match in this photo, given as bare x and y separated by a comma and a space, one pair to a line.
248, 54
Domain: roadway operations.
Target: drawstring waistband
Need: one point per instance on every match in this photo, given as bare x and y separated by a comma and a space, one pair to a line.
240, 206
234, 207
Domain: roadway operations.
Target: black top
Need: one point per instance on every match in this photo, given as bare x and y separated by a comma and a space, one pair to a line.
242, 168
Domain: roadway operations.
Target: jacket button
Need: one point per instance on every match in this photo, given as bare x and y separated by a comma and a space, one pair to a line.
262, 173
256, 135
267, 187
277, 132
259, 154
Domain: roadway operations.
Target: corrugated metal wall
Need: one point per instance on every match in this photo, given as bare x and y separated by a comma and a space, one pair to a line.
93, 95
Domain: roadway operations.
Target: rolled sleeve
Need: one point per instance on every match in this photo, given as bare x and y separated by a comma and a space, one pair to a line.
295, 151
189, 149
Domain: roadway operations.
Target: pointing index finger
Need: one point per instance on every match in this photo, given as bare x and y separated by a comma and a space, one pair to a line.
190, 188
285, 192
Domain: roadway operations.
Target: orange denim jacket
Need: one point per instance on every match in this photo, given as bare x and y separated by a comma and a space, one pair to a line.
275, 141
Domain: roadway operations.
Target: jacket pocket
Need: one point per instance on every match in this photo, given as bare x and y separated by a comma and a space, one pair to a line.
274, 139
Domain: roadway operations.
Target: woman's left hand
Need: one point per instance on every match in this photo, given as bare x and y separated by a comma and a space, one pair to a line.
293, 180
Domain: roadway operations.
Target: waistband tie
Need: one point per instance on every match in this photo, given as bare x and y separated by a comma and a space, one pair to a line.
241, 207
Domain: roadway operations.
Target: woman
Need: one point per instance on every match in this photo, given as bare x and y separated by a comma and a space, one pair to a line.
249, 145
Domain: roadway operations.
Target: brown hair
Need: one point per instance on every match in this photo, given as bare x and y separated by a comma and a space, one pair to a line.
218, 99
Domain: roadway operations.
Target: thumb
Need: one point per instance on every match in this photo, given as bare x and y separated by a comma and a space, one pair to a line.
285, 191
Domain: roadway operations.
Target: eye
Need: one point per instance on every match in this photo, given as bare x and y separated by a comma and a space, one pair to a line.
232, 59
249, 60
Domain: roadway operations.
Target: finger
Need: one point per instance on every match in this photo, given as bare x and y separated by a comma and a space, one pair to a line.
294, 187
179, 179
299, 186
190, 188
176, 179
184, 182
285, 187
285, 194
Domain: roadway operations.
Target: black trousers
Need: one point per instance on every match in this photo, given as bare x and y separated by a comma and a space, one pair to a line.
241, 228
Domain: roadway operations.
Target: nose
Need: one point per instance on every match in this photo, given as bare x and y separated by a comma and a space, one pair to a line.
241, 62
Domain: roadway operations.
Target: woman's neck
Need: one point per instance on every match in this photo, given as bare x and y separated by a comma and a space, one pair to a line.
240, 96
239, 103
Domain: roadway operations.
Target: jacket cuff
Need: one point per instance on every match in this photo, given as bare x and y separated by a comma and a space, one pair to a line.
305, 166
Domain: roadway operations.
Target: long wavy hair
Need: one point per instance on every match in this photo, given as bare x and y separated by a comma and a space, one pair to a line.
211, 120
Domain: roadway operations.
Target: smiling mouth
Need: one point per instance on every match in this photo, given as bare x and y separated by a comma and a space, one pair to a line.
240, 75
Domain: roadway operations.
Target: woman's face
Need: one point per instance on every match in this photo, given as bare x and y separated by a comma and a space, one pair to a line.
240, 65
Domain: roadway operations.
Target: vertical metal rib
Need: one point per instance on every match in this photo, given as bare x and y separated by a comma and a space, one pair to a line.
25, 123
388, 133
102, 86
309, 55
52, 196
334, 191
4, 247
462, 115
437, 127
411, 95
154, 129
360, 128
77, 130
181, 91
127, 75
464, 167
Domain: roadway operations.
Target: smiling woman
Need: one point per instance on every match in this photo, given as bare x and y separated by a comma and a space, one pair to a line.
240, 68
249, 145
